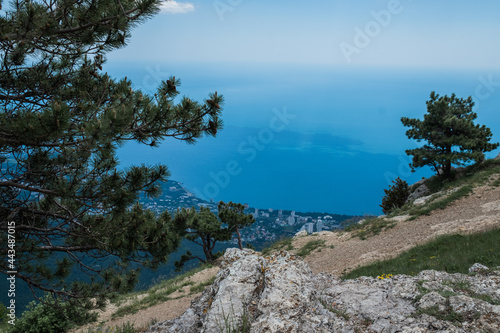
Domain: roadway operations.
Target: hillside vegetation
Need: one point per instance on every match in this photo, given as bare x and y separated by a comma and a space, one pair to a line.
456, 226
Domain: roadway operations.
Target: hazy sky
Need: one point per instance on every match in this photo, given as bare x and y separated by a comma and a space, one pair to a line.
406, 33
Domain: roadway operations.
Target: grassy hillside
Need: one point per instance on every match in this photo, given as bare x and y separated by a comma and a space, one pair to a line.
450, 253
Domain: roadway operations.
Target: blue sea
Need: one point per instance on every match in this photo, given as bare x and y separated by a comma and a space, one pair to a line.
300, 137
304, 138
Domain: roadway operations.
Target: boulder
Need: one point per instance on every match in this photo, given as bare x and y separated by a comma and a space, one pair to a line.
301, 233
279, 293
476, 268
421, 191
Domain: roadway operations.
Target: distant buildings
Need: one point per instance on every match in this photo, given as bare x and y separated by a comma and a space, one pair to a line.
319, 226
310, 228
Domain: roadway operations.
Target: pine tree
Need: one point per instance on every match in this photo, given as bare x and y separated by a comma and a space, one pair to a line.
202, 228
61, 120
451, 135
232, 214
395, 196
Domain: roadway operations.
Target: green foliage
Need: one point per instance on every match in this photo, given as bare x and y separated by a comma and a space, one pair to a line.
310, 246
370, 227
341, 312
201, 286
50, 316
232, 324
3, 313
440, 203
232, 215
453, 254
61, 121
205, 229
202, 228
4, 325
451, 135
395, 196
448, 314
282, 244
158, 293
451, 190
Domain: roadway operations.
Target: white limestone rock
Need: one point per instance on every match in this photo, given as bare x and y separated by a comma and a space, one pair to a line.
476, 268
301, 233
279, 293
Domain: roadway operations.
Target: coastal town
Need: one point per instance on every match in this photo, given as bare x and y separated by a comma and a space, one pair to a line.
270, 224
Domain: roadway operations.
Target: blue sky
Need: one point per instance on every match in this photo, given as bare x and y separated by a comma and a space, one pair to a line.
380, 33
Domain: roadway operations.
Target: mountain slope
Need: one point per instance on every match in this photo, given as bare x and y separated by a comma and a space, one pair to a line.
477, 212
343, 251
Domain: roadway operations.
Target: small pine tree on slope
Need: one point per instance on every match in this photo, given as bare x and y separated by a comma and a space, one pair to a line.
451, 135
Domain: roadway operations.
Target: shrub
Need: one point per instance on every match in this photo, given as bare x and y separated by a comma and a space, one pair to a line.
49, 317
3, 314
395, 196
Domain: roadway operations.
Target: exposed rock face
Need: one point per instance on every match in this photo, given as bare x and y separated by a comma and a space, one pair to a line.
279, 293
421, 191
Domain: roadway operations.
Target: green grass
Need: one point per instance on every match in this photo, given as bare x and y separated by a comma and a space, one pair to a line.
159, 293
370, 227
440, 203
283, 244
310, 246
228, 326
337, 310
198, 288
477, 174
466, 179
453, 254
447, 315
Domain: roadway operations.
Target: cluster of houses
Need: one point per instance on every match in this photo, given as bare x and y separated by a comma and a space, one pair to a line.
308, 223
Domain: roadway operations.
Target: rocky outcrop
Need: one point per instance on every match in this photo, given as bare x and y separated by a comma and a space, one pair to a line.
279, 293
301, 233
420, 190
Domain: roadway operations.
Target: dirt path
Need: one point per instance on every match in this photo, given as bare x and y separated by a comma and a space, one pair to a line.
475, 213
159, 312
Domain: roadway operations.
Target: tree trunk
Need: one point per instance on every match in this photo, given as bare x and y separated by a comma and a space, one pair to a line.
239, 238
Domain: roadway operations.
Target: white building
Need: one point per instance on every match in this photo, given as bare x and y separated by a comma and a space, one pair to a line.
319, 226
310, 228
